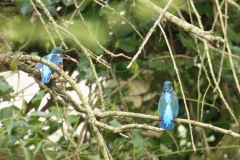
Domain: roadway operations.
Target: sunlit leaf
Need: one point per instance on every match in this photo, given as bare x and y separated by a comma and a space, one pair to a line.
48, 156
28, 154
37, 148
24, 105
4, 86
94, 157
61, 154
41, 114
72, 118
34, 53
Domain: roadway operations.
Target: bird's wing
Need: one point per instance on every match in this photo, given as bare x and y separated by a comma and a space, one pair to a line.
40, 65
174, 104
46, 74
57, 60
161, 105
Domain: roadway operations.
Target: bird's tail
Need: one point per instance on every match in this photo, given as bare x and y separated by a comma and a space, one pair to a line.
166, 126
167, 119
46, 77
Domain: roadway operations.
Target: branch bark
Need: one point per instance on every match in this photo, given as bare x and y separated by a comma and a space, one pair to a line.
183, 24
93, 116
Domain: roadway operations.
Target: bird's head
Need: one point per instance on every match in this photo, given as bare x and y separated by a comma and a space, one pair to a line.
57, 50
60, 52
167, 86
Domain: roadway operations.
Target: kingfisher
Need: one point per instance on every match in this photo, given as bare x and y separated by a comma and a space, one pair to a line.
168, 106
56, 56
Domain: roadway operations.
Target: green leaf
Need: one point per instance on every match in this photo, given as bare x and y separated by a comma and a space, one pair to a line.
84, 146
67, 2
135, 67
35, 122
84, 4
129, 45
152, 55
54, 126
2, 133
38, 98
37, 148
24, 6
89, 74
94, 157
4, 86
155, 65
48, 145
10, 125
17, 18
163, 148
24, 105
186, 42
28, 154
232, 35
41, 114
11, 139
114, 123
72, 118
117, 44
60, 154
138, 141
47, 2
22, 127
188, 63
5, 89
52, 10
34, 53
204, 8
58, 112
8, 112
49, 156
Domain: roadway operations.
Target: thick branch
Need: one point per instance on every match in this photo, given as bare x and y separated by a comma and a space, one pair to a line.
79, 93
183, 24
24, 67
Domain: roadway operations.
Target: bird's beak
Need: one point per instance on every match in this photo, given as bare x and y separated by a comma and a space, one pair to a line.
67, 57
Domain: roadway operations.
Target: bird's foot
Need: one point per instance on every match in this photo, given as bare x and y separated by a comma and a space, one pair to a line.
55, 76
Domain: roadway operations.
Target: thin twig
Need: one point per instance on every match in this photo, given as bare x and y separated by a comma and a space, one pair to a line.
149, 34
44, 24
224, 28
52, 21
98, 43
186, 26
180, 83
89, 111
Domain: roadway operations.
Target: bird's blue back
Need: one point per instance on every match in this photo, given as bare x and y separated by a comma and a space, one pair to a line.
168, 106
52, 57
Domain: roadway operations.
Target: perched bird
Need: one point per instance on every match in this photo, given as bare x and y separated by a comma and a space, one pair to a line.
56, 56
168, 106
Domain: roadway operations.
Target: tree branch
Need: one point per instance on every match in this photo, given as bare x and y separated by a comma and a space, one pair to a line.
93, 115
186, 26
